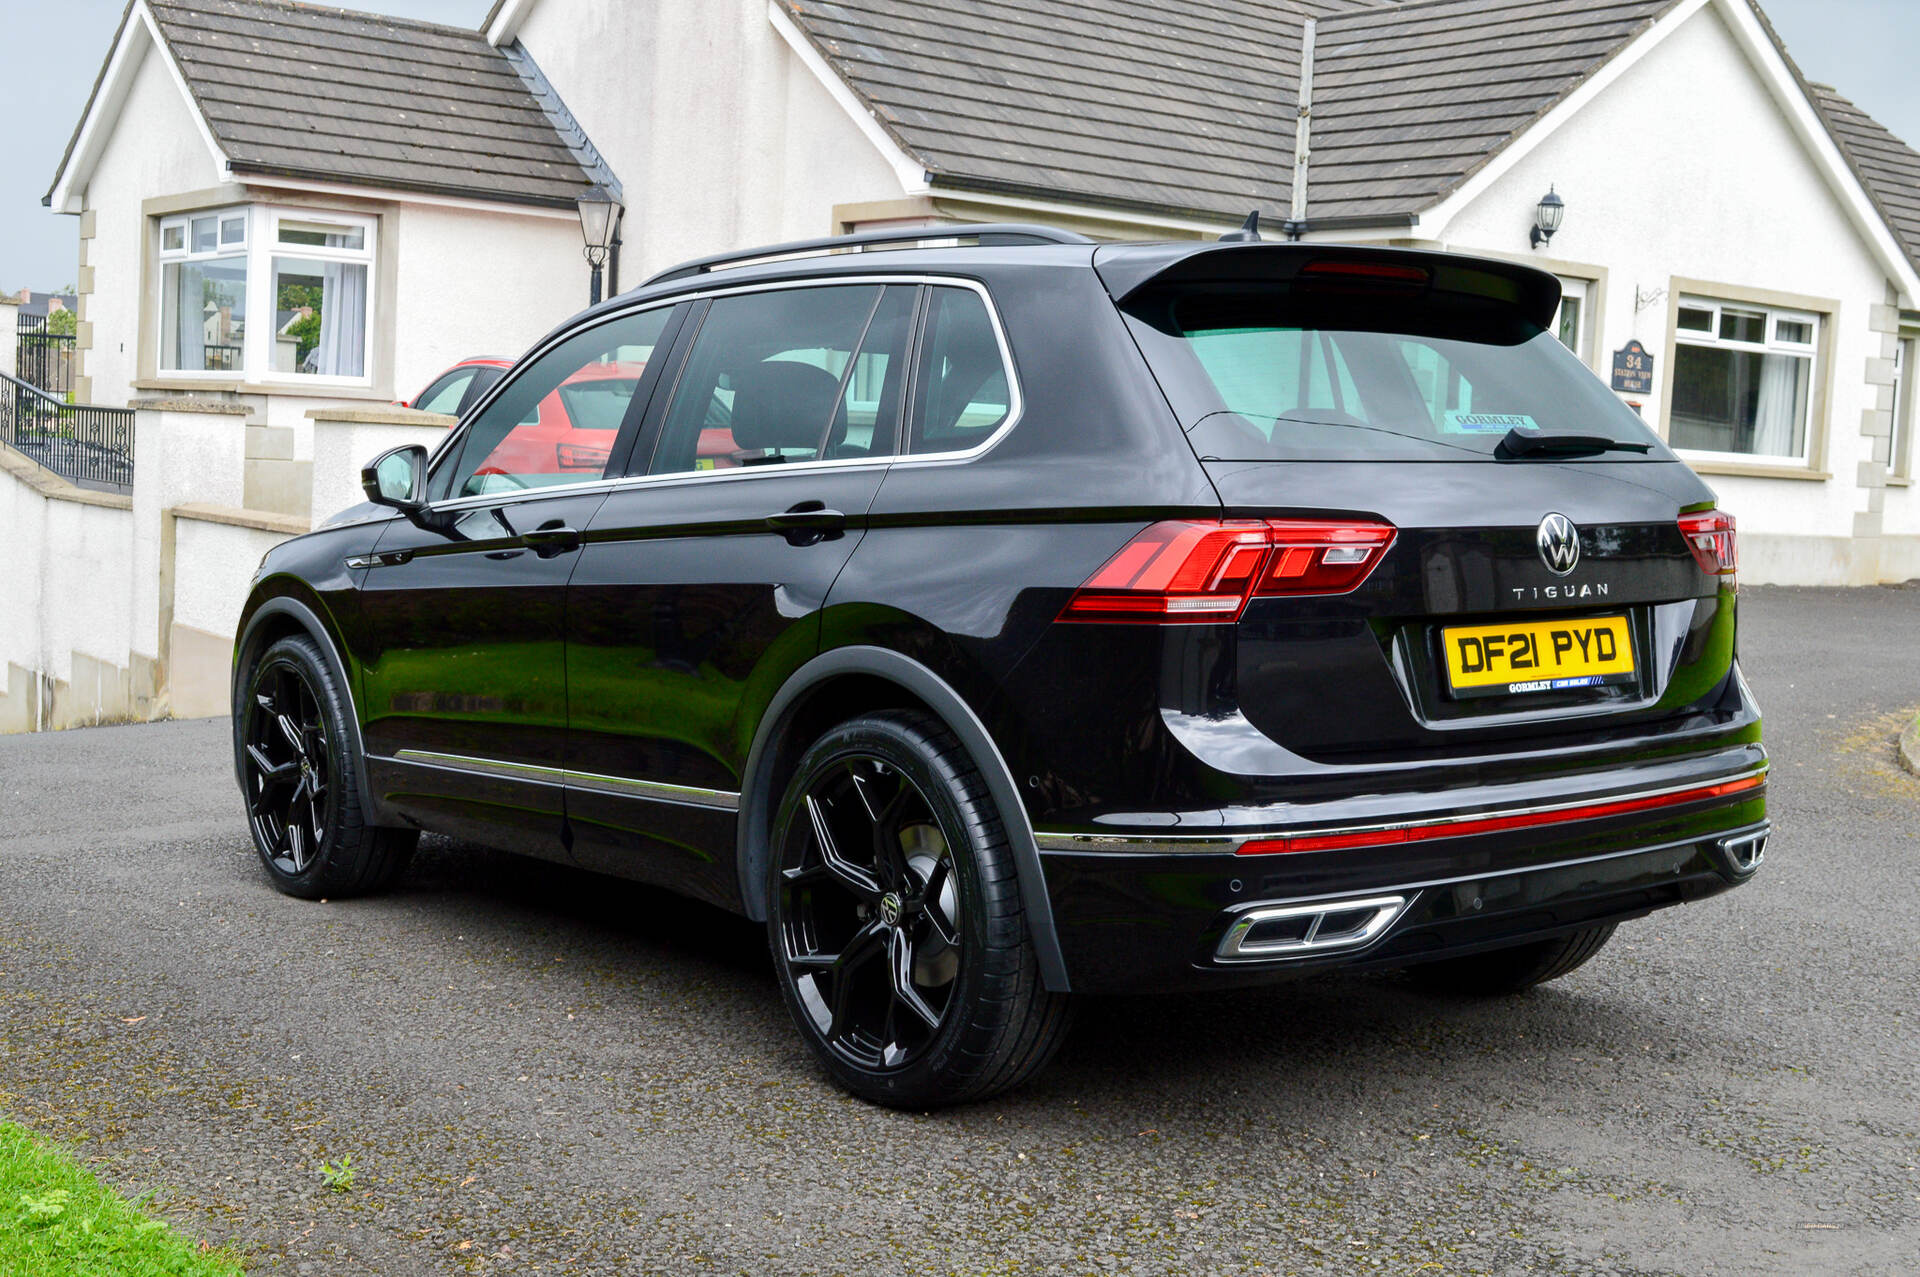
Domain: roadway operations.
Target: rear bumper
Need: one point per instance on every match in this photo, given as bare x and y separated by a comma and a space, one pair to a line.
1142, 911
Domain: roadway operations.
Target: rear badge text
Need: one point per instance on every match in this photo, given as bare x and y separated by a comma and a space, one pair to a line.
1524, 592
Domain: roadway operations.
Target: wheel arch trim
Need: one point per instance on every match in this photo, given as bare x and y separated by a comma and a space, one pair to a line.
317, 629
756, 800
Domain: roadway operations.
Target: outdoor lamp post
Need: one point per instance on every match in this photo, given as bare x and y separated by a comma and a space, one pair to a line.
599, 216
1547, 217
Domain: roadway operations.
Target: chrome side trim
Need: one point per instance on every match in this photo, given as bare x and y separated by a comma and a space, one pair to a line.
656, 791
1016, 409
620, 786
1230, 844
1375, 915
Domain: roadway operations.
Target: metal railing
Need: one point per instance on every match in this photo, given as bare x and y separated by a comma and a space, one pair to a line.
43, 357
88, 444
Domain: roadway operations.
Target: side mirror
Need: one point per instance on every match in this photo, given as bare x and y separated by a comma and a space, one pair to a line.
397, 478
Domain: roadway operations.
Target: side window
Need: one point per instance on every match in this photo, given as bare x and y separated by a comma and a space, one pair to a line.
445, 394
961, 394
557, 421
786, 376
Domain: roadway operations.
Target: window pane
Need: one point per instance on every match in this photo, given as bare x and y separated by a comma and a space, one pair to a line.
173, 239
869, 414
322, 236
203, 315
319, 317
205, 234
1743, 325
233, 230
962, 395
763, 382
1899, 459
1569, 328
1795, 331
1695, 320
557, 421
1740, 401
444, 395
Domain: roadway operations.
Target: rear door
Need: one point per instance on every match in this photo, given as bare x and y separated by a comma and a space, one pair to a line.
701, 579
461, 625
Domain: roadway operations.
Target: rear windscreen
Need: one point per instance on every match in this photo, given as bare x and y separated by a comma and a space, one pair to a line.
1260, 372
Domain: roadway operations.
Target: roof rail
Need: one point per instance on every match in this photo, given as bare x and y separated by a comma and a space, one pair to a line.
982, 234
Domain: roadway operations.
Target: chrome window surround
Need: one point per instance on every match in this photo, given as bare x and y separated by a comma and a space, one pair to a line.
1016, 409
1230, 844
620, 786
1382, 912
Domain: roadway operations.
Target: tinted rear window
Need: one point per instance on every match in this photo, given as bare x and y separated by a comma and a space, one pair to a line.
1257, 372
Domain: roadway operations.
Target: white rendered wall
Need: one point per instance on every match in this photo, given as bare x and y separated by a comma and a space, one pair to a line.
154, 150
479, 283
342, 448
721, 137
213, 570
1685, 167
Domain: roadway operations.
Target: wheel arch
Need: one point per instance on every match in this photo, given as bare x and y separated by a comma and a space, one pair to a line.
838, 685
267, 621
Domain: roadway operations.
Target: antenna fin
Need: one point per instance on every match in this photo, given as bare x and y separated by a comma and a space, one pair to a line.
1249, 232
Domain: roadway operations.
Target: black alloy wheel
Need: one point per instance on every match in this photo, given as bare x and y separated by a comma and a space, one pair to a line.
295, 753
896, 923
290, 799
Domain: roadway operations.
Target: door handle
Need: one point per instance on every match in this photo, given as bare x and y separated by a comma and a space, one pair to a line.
808, 523
550, 539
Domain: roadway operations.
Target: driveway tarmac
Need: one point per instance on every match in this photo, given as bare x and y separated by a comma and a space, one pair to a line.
540, 1071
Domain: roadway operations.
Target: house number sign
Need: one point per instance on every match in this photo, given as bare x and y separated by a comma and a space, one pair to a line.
1633, 370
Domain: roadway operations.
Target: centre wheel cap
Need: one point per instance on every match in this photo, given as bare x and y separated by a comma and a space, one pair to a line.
891, 907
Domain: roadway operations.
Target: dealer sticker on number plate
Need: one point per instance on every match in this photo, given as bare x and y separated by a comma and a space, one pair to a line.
1538, 656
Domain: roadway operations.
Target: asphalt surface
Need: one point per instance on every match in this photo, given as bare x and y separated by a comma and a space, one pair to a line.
540, 1071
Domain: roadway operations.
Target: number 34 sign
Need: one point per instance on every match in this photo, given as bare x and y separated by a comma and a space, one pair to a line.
1633, 370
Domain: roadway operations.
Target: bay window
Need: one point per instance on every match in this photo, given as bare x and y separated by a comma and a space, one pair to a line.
305, 278
1743, 380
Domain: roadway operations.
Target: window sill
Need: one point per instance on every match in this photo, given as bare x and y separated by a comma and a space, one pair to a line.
1756, 471
211, 386
1899, 481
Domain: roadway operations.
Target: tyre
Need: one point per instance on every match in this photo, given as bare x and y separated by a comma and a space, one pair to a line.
896, 924
303, 806
1510, 970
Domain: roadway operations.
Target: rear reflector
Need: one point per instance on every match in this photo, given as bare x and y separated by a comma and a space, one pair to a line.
1494, 824
1197, 571
1711, 538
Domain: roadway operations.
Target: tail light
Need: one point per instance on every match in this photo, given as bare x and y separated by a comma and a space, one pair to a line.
580, 456
1711, 538
1200, 571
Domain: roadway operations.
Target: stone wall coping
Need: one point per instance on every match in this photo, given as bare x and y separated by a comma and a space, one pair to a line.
262, 520
54, 487
195, 385
217, 407
388, 416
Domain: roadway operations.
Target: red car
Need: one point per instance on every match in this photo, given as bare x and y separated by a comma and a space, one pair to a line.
571, 430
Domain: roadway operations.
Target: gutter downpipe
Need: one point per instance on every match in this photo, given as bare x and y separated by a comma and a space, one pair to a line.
1296, 226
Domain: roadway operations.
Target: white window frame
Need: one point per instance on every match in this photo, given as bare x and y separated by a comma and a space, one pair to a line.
1906, 392
261, 246
1580, 292
186, 253
1772, 345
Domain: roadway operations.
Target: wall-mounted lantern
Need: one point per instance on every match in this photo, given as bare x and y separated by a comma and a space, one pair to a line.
1547, 217
599, 223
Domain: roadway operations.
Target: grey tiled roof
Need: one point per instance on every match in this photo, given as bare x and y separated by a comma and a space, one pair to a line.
1188, 105
1886, 166
304, 91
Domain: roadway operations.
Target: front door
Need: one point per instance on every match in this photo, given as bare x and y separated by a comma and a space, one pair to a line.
700, 585
461, 627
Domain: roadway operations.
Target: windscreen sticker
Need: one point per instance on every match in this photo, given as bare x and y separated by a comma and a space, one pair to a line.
1485, 423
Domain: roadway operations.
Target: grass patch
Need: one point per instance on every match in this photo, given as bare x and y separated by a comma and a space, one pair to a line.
55, 1217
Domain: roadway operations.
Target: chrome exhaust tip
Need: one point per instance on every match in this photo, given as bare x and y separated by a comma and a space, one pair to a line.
1266, 932
1744, 852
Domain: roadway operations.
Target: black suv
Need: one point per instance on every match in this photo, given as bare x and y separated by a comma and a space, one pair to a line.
1021, 616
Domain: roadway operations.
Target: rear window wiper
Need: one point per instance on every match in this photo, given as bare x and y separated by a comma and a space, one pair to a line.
1522, 441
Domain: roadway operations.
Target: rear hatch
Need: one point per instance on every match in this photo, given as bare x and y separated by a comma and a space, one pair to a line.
1542, 565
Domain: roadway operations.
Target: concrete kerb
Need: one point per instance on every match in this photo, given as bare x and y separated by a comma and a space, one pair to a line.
1910, 747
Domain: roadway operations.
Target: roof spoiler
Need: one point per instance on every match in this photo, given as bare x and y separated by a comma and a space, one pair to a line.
1127, 269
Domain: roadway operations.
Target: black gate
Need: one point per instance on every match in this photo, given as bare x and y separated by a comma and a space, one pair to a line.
44, 358
89, 445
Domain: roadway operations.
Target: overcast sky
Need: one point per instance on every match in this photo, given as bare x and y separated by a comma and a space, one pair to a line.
1868, 49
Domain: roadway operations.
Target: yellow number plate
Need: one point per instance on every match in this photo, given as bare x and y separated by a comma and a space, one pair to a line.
1538, 656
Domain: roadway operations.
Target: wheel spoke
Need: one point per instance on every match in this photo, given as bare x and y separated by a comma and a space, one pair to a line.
851, 875
858, 950
900, 955
296, 841
271, 771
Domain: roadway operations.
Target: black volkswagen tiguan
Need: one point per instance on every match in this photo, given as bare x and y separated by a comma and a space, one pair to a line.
1019, 616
